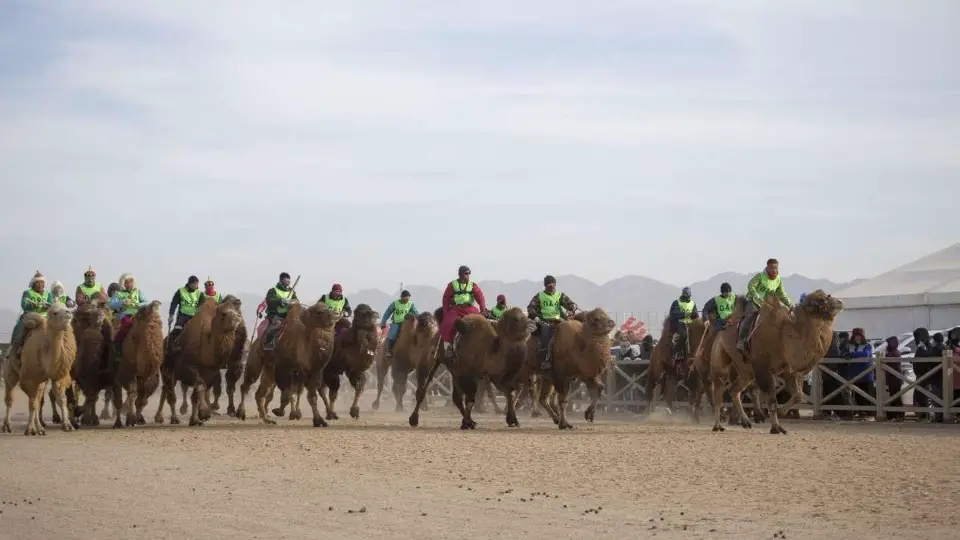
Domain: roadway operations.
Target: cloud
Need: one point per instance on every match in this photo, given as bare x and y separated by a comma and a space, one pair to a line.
342, 138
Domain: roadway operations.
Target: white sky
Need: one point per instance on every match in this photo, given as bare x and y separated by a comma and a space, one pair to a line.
338, 140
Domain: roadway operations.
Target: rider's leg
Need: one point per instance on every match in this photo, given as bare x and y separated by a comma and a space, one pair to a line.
546, 333
273, 326
749, 314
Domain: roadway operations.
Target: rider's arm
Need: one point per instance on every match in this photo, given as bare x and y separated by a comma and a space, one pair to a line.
387, 313
346, 307
694, 314
143, 298
116, 304
675, 313
782, 295
752, 294
175, 303
272, 300
566, 302
447, 296
26, 303
413, 310
533, 308
709, 307
478, 296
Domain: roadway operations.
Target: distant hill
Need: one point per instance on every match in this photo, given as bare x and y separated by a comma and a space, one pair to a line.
644, 298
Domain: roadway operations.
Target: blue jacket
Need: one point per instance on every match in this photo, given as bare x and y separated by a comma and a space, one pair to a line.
388, 314
861, 351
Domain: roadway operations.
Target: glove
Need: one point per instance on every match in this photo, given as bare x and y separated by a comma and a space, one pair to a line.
259, 315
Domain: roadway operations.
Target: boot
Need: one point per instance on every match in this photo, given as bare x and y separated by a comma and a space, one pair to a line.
390, 344
448, 350
546, 359
270, 343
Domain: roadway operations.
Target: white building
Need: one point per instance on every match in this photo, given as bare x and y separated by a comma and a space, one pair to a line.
923, 293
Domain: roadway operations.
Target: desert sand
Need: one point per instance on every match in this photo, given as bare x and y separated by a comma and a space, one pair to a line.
379, 478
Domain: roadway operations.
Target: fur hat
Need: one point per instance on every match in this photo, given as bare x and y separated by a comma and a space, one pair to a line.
57, 286
124, 277
37, 277
89, 272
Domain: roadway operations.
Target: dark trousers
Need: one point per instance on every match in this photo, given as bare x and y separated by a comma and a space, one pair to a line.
682, 343
750, 312
545, 330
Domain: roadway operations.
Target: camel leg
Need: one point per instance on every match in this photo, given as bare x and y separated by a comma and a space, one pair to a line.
399, 387
468, 388
117, 395
252, 372
563, 393
9, 385
60, 393
794, 384
217, 391
381, 379
106, 413
286, 396
534, 389
670, 383
767, 385
89, 416
145, 389
696, 396
296, 402
717, 386
653, 381
546, 394
33, 415
195, 398
758, 415
358, 382
424, 378
55, 414
511, 395
332, 383
129, 405
266, 386
736, 389
492, 395
233, 375
595, 387
183, 404
313, 388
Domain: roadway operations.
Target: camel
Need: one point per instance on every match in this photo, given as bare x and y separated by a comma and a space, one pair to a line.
663, 371
418, 336
353, 353
93, 370
580, 350
301, 364
214, 338
48, 353
138, 370
781, 344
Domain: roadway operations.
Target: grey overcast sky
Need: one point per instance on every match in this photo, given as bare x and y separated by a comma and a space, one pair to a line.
378, 141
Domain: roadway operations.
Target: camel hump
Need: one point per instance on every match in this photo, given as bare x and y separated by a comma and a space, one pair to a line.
34, 320
468, 323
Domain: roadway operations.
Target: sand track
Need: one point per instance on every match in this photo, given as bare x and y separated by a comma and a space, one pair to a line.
240, 480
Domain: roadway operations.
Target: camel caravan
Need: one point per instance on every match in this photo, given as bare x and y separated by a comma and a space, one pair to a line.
112, 342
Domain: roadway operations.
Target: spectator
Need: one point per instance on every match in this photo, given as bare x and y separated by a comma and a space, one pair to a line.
893, 383
646, 347
921, 337
858, 347
830, 384
936, 380
954, 342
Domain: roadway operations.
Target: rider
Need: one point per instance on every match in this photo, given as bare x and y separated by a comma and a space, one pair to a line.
545, 309
459, 298
396, 312
761, 285
683, 311
187, 298
278, 301
89, 287
209, 291
57, 294
501, 306
720, 306
126, 301
33, 300
336, 301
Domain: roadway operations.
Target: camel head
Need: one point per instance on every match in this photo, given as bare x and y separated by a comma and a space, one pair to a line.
596, 322
59, 316
365, 317
319, 316
426, 322
92, 314
515, 324
822, 305
228, 316
148, 311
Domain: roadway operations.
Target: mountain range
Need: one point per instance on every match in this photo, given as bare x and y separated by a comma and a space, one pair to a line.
641, 297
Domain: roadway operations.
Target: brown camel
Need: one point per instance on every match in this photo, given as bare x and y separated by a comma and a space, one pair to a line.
783, 343
93, 370
417, 339
353, 353
666, 373
212, 339
138, 372
49, 351
580, 350
302, 366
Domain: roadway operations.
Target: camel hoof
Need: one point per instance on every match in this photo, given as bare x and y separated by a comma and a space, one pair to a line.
269, 421
745, 424
589, 415
564, 425
231, 410
718, 427
375, 405
241, 413
174, 420
512, 420
355, 413
141, 421
278, 412
183, 408
117, 424
6, 428
318, 421
42, 423
777, 430
414, 420
158, 419
296, 415
196, 422
468, 424
332, 416
398, 408
67, 426
105, 415
56, 419
215, 406
556, 421
536, 413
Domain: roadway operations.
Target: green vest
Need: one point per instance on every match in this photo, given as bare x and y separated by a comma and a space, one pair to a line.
687, 309
134, 297
400, 310
91, 290
39, 300
189, 301
62, 299
725, 306
335, 305
550, 306
282, 309
766, 287
216, 297
498, 311
462, 294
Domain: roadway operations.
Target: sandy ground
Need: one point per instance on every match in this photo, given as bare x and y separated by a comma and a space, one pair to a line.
379, 478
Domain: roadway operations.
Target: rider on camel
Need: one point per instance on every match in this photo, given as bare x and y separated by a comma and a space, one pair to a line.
761, 285
209, 291
278, 301
126, 301
395, 313
682, 312
501, 306
58, 294
720, 306
89, 287
545, 309
187, 298
461, 297
34, 300
336, 301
